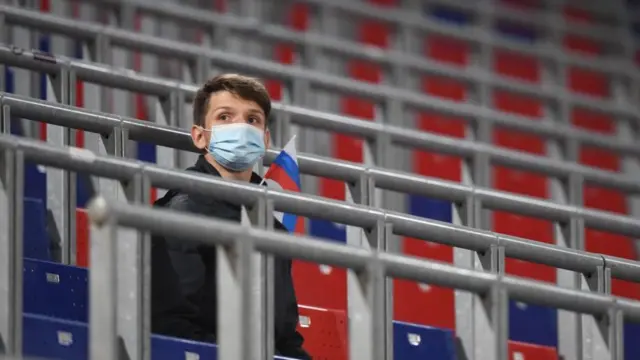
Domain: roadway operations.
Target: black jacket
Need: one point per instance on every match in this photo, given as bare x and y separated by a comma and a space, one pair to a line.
183, 290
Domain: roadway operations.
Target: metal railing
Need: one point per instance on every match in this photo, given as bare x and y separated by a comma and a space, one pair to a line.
379, 226
404, 19
314, 42
174, 93
394, 99
351, 173
237, 244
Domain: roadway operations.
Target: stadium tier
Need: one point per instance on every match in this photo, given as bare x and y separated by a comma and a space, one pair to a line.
494, 144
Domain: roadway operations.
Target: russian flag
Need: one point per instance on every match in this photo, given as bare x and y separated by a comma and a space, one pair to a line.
284, 174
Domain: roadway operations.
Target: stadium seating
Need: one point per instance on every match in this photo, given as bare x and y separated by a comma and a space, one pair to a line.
55, 302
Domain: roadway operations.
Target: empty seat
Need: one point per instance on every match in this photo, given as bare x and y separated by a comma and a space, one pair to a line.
35, 182
320, 285
164, 347
52, 338
55, 290
417, 342
631, 345
533, 324
448, 15
324, 331
36, 241
82, 238
524, 351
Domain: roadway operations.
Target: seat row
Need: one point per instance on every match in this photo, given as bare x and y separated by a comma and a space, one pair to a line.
56, 308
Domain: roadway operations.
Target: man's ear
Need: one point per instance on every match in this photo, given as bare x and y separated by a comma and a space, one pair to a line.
198, 135
267, 138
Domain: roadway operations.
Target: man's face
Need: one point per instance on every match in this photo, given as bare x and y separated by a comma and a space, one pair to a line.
227, 108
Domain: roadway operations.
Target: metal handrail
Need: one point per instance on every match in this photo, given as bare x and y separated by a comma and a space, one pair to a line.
389, 57
133, 81
410, 225
380, 93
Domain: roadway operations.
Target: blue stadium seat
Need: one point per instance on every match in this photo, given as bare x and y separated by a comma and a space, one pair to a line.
164, 347
35, 183
52, 338
448, 15
36, 241
516, 31
55, 290
533, 324
417, 342
430, 208
631, 336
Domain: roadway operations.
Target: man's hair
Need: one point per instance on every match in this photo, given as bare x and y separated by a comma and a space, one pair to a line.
245, 87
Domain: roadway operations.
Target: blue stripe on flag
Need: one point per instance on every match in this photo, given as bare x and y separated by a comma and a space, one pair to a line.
327, 230
289, 221
289, 165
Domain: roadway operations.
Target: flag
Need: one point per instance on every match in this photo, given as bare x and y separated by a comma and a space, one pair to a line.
284, 174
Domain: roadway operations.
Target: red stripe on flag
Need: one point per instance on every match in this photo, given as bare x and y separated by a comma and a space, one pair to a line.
279, 175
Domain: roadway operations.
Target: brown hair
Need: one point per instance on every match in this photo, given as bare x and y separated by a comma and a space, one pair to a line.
245, 87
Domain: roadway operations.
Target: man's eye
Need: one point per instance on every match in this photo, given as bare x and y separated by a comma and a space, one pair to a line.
224, 117
253, 120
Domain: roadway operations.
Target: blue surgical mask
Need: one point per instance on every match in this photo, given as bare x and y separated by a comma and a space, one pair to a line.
236, 146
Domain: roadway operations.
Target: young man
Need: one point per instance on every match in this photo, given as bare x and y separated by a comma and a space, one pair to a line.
230, 115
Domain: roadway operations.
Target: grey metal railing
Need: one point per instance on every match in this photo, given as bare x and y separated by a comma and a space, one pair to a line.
394, 99
374, 266
211, 21
138, 130
402, 18
173, 93
138, 177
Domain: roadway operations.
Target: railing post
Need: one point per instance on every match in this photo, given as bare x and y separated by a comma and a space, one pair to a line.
611, 323
5, 119
497, 303
236, 278
103, 294
378, 239
11, 244
261, 215
367, 336
60, 198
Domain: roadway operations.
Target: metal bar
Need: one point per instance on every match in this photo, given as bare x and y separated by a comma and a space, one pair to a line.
235, 316
103, 294
172, 223
191, 53
197, 17
10, 287
80, 160
481, 36
385, 179
180, 139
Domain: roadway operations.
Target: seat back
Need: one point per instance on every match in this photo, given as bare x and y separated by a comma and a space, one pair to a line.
55, 290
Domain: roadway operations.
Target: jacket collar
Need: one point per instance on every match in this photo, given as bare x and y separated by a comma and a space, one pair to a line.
203, 166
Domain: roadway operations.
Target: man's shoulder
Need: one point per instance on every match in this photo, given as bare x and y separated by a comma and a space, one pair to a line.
179, 201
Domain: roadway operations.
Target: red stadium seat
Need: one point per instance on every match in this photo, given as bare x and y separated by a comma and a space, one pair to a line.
324, 332
82, 238
525, 68
320, 285
524, 351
